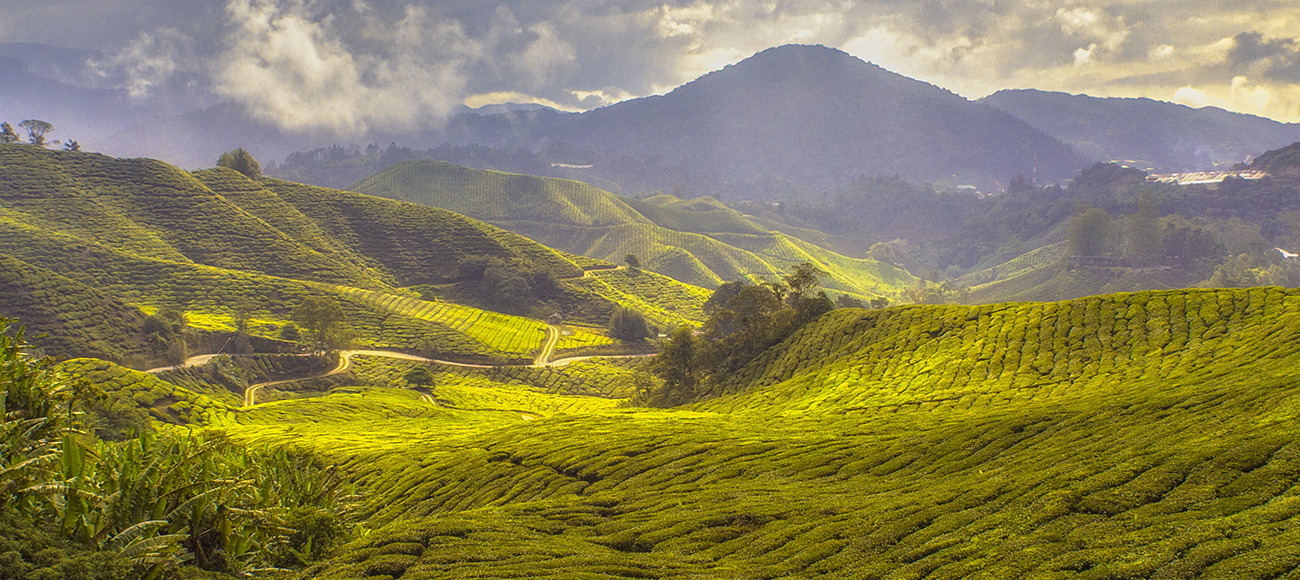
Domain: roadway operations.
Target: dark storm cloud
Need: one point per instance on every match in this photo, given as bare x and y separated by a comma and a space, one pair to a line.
1276, 58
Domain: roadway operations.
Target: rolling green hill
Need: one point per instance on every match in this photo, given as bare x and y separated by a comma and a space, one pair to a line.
1130, 435
77, 319
699, 241
90, 244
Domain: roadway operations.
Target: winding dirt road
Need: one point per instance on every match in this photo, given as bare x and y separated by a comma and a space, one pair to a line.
552, 338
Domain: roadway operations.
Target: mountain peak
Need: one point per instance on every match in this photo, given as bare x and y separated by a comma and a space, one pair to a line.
819, 116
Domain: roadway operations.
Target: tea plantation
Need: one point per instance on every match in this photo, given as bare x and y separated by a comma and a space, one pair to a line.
1148, 435
1130, 435
90, 245
700, 241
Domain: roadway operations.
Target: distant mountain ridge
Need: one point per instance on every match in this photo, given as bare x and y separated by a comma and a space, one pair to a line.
1168, 136
800, 119
819, 116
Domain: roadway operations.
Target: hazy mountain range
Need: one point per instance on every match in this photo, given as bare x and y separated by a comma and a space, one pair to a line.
795, 119
1161, 136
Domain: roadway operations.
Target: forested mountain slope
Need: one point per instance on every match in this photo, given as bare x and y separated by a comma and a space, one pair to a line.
1167, 137
818, 117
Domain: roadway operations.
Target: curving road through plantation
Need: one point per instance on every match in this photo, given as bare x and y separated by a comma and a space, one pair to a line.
552, 338
345, 362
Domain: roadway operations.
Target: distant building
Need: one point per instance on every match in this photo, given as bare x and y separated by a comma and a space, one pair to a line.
1204, 177
555, 319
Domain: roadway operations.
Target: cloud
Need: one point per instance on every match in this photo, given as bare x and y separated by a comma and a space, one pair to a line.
348, 65
295, 70
147, 62
1274, 59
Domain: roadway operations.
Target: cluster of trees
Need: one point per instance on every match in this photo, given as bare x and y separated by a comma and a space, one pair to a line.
36, 131
168, 333
628, 325
946, 292
510, 286
241, 161
744, 320
1141, 238
75, 506
325, 323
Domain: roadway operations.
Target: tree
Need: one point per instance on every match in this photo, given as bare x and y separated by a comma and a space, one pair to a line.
72, 145
721, 296
36, 130
241, 161
7, 134
1089, 232
628, 325
419, 377
802, 280
290, 332
676, 365
1143, 230
632, 261
881, 252
879, 303
846, 301
324, 322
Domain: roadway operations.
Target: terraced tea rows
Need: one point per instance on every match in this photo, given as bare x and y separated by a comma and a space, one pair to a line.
698, 242
663, 301
146, 235
511, 334
607, 378
573, 337
1010, 441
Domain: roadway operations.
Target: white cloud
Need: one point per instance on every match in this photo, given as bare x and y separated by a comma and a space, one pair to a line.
147, 62
1083, 56
1192, 97
295, 71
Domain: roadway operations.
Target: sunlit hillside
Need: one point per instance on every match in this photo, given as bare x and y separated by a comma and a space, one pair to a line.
1134, 435
91, 245
700, 241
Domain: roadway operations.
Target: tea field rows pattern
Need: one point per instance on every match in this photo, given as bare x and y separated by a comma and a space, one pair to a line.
512, 334
1147, 435
700, 241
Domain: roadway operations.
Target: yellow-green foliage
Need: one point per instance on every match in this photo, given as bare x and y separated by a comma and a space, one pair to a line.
143, 234
1143, 435
75, 319
572, 337
500, 332
166, 402
152, 209
608, 378
662, 300
697, 241
417, 244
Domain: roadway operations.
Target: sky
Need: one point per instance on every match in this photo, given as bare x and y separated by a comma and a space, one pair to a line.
349, 65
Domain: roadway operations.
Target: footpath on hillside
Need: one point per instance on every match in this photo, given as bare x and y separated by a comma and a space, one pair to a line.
345, 362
